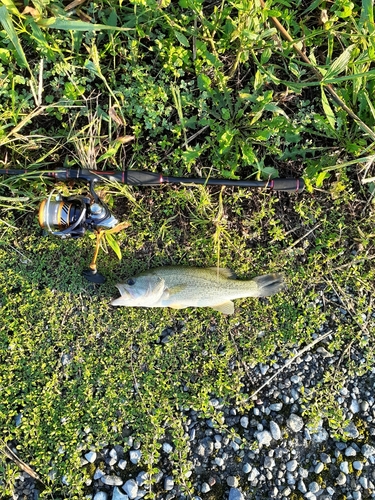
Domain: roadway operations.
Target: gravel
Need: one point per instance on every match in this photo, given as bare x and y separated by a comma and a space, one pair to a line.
268, 451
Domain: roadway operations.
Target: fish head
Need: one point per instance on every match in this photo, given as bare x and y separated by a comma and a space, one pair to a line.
141, 291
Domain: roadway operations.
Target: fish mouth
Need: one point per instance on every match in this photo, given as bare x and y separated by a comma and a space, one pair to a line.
125, 295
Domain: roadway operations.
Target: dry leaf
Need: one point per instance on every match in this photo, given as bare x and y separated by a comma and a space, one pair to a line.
30, 10
125, 139
74, 4
115, 117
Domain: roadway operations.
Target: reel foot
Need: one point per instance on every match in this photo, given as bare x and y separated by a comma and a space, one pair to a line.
93, 276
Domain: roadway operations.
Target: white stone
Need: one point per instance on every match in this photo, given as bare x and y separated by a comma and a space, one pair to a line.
168, 483
354, 406
350, 452
135, 456
131, 488
167, 448
244, 422
232, 481
235, 494
368, 450
302, 487
295, 422
292, 465
118, 495
100, 495
320, 435
111, 480
205, 488
275, 430
276, 406
357, 465
122, 464
264, 438
253, 474
90, 457
341, 479
246, 468
318, 468
344, 467
98, 474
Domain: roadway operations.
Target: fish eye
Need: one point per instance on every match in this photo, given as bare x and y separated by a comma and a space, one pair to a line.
130, 282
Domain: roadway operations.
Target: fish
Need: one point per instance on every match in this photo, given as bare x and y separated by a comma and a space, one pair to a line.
179, 287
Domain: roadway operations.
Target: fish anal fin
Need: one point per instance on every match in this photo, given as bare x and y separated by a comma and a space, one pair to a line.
225, 307
224, 272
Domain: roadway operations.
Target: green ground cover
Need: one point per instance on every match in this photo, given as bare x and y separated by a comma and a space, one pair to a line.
184, 88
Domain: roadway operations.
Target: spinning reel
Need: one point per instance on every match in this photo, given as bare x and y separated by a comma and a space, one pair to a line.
72, 216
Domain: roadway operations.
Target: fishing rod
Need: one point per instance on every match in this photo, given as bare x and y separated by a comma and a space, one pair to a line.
71, 216
146, 178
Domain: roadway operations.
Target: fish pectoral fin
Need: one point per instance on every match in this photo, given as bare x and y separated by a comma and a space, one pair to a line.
174, 289
225, 307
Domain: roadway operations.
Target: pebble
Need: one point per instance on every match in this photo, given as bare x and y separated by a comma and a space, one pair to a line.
269, 463
141, 478
341, 479
235, 494
131, 488
135, 456
90, 457
118, 495
168, 483
344, 467
368, 450
246, 468
357, 465
314, 487
110, 480
205, 488
122, 464
167, 448
253, 474
292, 465
275, 431
320, 436
98, 474
100, 495
351, 430
232, 481
295, 422
350, 452
276, 406
301, 486
318, 468
244, 421
354, 406
264, 438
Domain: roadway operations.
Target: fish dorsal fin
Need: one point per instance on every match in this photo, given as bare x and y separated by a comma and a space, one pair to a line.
224, 272
225, 307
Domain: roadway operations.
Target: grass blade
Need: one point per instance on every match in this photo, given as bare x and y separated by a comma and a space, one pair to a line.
328, 110
70, 25
8, 26
339, 64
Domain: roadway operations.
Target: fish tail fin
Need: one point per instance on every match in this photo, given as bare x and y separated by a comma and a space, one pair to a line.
269, 284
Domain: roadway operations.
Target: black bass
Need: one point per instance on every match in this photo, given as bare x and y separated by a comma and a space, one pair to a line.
180, 287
